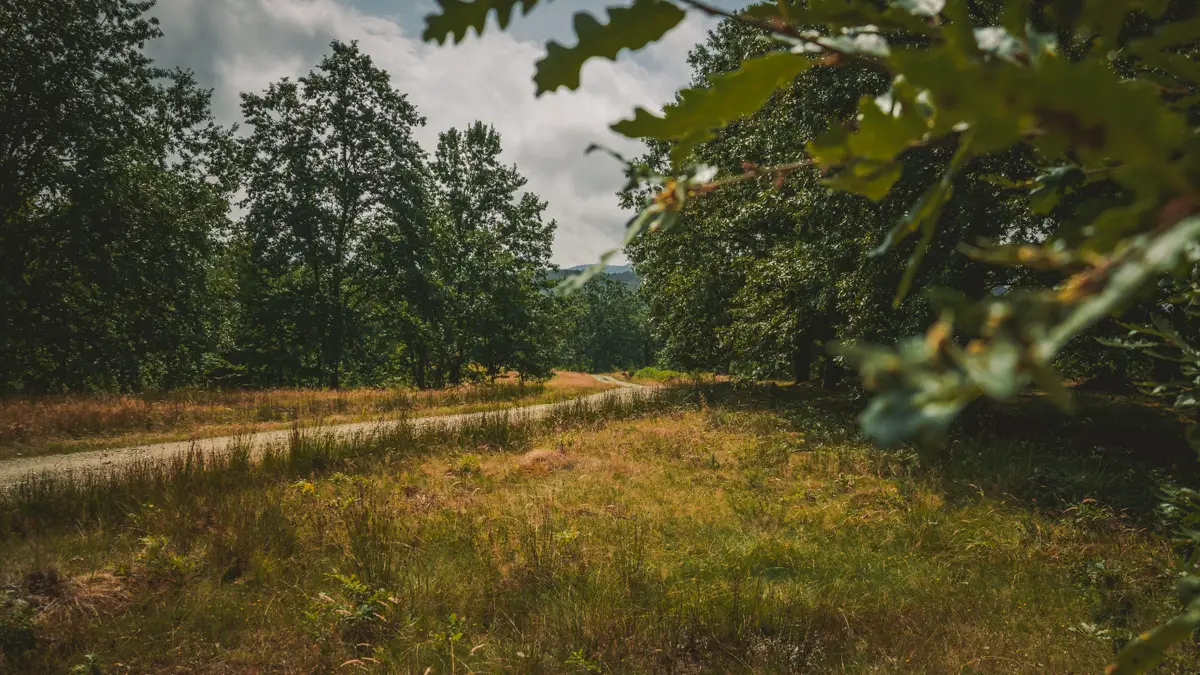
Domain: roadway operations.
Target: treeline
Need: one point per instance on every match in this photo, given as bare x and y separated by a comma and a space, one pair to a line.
354, 258
758, 280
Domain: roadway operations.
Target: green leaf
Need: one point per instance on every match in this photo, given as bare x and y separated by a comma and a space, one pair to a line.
898, 415
995, 369
871, 180
1147, 650
458, 17
1151, 259
729, 97
627, 28
1166, 36
924, 216
1053, 184
887, 126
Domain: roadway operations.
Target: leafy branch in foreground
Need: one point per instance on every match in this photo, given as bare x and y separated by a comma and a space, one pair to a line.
1100, 95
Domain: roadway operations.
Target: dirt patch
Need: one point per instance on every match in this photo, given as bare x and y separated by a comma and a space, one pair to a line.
543, 461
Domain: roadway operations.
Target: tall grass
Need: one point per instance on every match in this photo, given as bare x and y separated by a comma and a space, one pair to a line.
62, 422
715, 530
52, 500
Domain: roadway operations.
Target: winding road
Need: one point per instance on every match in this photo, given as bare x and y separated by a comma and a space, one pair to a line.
14, 470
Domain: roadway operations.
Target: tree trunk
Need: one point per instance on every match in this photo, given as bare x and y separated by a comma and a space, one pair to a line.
831, 374
802, 358
337, 337
456, 369
419, 365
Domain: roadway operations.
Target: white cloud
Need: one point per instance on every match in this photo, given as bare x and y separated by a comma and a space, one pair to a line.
242, 45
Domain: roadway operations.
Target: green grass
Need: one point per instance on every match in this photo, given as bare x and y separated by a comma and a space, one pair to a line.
729, 530
655, 374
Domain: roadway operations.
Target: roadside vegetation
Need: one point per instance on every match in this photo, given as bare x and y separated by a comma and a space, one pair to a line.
66, 423
724, 529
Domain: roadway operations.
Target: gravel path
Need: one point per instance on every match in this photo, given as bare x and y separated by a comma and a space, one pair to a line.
13, 470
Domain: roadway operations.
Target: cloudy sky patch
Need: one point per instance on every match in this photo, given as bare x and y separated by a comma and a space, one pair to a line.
242, 45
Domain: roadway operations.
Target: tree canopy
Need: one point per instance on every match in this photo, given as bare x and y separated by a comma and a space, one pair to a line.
113, 189
356, 257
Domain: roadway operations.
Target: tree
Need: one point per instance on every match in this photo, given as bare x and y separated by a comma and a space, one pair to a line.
490, 257
604, 328
1106, 120
337, 204
756, 282
113, 188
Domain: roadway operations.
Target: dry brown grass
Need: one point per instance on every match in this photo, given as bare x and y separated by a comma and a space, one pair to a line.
709, 538
66, 423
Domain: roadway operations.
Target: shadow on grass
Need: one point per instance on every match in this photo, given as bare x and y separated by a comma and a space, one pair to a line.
1119, 453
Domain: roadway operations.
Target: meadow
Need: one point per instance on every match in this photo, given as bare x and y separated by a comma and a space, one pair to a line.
68, 423
685, 530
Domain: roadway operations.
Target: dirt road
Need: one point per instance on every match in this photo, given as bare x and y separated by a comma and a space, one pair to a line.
13, 470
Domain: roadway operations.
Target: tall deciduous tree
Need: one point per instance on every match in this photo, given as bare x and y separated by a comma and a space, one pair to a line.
336, 199
113, 187
758, 280
491, 255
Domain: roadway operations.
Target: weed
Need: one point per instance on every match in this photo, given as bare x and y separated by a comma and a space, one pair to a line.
92, 665
18, 633
467, 464
356, 611
579, 663
160, 563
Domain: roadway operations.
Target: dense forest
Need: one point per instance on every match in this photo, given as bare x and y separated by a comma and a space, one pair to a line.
146, 247
760, 282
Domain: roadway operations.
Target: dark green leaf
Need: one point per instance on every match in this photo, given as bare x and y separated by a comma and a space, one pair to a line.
897, 415
1158, 256
459, 17
924, 216
631, 27
1052, 185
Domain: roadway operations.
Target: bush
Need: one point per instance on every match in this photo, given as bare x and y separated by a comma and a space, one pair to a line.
655, 374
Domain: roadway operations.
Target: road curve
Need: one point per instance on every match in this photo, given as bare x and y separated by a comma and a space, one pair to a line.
14, 470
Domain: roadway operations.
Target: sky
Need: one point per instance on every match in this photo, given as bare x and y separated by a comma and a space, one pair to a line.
242, 45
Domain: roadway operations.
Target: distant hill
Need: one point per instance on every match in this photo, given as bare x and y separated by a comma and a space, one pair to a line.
622, 273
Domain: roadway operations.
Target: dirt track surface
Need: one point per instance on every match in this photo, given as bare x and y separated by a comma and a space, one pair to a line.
13, 470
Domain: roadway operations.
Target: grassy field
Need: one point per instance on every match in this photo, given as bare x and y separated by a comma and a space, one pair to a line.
58, 424
724, 530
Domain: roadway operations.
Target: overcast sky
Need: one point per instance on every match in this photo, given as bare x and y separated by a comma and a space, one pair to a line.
242, 45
